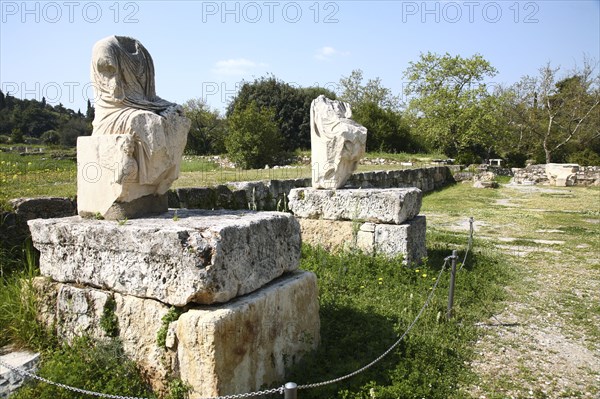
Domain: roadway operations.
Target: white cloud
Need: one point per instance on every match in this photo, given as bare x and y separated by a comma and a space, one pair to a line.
327, 53
237, 67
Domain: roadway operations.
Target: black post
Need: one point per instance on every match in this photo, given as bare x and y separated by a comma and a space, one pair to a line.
451, 289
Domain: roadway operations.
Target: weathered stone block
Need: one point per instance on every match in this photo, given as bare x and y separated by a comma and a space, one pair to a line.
248, 343
562, 174
176, 258
406, 239
235, 347
374, 205
10, 380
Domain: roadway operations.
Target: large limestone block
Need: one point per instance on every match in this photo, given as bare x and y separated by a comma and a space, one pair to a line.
337, 142
188, 257
562, 174
391, 240
248, 343
393, 205
235, 347
406, 239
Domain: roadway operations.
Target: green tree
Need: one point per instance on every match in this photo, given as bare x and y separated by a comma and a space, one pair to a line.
290, 104
254, 139
90, 112
208, 130
551, 118
72, 129
447, 101
357, 93
376, 108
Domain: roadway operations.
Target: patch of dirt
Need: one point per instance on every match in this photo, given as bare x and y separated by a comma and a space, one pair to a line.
545, 343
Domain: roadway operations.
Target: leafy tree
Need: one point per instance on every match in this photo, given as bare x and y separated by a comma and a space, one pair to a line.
2, 100
254, 138
386, 129
448, 103
51, 137
72, 129
207, 133
549, 118
90, 112
290, 104
372, 92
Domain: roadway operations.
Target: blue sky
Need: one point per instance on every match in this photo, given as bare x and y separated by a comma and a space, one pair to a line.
205, 48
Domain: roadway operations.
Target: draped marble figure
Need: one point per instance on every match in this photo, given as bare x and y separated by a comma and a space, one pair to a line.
337, 142
126, 103
149, 133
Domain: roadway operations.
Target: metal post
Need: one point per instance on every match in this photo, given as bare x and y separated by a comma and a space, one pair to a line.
451, 289
290, 391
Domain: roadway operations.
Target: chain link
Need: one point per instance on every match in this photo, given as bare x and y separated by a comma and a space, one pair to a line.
109, 396
390, 349
469, 243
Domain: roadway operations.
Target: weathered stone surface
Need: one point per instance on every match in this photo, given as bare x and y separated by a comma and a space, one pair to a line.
407, 239
235, 347
375, 205
337, 142
10, 380
78, 311
138, 138
247, 343
562, 174
187, 257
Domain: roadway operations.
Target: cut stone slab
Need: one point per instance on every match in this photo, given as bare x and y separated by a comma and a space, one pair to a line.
248, 343
562, 174
406, 239
393, 205
231, 348
182, 257
10, 380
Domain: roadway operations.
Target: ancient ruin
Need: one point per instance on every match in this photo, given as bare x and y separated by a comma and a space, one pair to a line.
133, 156
337, 142
214, 298
376, 221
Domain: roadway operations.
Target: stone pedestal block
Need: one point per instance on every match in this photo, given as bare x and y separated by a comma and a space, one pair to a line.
237, 347
562, 174
10, 380
177, 258
393, 205
406, 239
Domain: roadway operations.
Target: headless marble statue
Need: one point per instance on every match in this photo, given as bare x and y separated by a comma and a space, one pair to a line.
148, 134
337, 142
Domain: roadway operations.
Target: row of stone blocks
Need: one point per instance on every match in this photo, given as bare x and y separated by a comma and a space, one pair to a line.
243, 311
376, 221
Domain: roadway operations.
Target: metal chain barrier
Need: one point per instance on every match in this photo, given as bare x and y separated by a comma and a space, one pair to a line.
109, 396
469, 243
391, 348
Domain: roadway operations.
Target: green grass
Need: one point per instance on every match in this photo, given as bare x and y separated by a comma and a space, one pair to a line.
95, 366
18, 305
54, 173
35, 175
366, 303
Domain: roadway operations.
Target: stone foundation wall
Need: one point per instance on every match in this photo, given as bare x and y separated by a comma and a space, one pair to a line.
536, 174
256, 195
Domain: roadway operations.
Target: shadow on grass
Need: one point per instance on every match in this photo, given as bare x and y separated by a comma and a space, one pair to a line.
349, 341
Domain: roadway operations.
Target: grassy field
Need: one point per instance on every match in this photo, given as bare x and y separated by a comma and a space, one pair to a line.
54, 173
